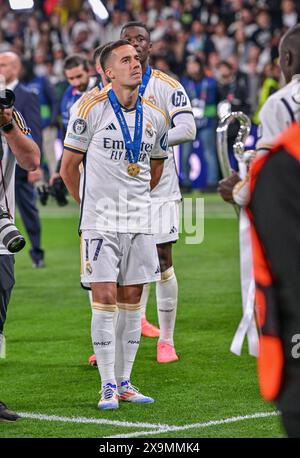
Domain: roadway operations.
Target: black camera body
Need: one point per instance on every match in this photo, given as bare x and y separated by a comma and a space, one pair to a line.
7, 99
57, 190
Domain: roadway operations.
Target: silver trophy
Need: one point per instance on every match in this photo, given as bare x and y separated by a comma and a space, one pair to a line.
243, 157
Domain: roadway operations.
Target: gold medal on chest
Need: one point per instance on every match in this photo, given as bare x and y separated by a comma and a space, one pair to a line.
133, 170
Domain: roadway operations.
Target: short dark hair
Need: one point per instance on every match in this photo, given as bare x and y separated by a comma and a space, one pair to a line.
224, 63
135, 24
107, 51
74, 61
98, 51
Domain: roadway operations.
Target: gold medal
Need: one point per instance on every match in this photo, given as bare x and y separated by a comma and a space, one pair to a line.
133, 170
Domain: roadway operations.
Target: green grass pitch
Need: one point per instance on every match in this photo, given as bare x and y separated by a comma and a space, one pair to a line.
48, 344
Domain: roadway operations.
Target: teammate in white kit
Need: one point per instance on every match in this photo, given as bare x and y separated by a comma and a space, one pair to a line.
279, 111
121, 141
167, 94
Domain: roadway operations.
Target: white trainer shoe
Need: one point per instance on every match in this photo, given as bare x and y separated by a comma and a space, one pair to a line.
109, 397
130, 393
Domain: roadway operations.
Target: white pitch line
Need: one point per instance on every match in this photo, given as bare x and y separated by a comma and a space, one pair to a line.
96, 421
196, 425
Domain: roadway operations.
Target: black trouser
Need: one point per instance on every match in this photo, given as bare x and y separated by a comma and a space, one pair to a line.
291, 423
7, 281
26, 202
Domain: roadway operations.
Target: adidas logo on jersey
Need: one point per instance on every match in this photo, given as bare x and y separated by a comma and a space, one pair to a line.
173, 230
157, 270
111, 127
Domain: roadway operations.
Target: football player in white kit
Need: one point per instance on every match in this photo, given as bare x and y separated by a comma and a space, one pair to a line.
121, 140
167, 94
280, 110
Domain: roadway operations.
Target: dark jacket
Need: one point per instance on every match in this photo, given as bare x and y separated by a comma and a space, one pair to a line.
28, 104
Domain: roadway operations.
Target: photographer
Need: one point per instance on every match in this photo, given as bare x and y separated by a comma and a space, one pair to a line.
28, 104
15, 144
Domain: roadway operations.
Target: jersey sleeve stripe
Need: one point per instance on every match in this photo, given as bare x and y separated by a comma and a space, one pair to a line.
289, 109
156, 108
88, 108
85, 109
173, 83
170, 83
91, 94
177, 112
21, 122
74, 150
90, 100
167, 78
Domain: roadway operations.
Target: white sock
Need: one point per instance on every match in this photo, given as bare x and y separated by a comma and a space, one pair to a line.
91, 304
103, 338
128, 334
90, 298
144, 299
166, 299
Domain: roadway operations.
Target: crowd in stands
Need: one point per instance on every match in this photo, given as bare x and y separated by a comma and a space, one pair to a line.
231, 46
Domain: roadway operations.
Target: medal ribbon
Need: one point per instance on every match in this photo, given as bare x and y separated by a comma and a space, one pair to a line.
145, 80
132, 147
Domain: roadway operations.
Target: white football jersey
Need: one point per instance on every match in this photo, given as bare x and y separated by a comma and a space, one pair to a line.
111, 199
170, 96
279, 111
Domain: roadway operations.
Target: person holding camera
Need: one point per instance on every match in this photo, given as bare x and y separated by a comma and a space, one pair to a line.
28, 104
15, 144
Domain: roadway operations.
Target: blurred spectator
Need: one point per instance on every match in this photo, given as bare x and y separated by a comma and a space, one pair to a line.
233, 87
202, 91
289, 13
162, 64
76, 69
262, 36
199, 41
223, 44
244, 33
270, 84
49, 109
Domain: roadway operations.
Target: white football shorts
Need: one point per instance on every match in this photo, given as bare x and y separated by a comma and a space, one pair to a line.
165, 220
126, 259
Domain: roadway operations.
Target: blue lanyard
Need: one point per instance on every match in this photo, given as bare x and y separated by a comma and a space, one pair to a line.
145, 81
132, 147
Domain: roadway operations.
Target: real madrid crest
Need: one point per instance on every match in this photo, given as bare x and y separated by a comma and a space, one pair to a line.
88, 268
149, 131
151, 99
79, 126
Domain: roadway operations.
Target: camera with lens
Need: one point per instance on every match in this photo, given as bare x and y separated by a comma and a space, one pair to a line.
9, 234
7, 99
57, 190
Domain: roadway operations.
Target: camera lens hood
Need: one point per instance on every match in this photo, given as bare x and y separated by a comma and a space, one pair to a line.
8, 100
